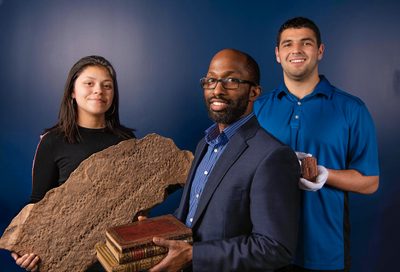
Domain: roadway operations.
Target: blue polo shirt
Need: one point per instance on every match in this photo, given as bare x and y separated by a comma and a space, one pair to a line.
338, 130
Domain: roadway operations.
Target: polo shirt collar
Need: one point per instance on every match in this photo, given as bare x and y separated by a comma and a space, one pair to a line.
323, 88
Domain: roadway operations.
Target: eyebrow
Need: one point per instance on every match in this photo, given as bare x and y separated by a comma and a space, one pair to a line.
90, 77
302, 40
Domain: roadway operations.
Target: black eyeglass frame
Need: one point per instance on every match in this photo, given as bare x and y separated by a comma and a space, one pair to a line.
225, 80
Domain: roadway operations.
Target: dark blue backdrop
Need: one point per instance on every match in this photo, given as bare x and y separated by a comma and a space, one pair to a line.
161, 48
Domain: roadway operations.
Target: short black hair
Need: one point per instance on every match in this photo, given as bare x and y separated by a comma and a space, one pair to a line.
251, 66
299, 22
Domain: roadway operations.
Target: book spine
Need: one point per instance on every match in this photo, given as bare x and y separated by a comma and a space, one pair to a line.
110, 264
147, 243
141, 253
139, 265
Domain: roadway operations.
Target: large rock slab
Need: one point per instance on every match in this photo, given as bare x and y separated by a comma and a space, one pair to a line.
107, 189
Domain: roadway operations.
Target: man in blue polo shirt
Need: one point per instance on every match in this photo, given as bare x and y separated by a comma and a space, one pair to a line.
314, 117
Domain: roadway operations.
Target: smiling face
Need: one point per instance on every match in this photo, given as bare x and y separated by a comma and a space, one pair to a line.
93, 93
299, 54
227, 106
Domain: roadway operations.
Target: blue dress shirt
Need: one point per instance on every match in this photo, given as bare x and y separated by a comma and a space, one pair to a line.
216, 142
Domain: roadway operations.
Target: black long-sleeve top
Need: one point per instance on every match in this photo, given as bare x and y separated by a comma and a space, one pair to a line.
55, 159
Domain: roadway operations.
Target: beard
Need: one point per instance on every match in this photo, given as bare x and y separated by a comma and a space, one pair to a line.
233, 112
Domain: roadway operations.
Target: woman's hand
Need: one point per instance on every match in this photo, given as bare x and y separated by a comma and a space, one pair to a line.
30, 262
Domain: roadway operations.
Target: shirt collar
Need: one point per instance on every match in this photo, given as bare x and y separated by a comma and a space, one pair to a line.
213, 136
323, 88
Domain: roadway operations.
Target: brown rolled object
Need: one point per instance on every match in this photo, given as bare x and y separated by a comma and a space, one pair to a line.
309, 169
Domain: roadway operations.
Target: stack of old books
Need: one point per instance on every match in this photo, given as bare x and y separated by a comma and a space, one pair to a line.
129, 247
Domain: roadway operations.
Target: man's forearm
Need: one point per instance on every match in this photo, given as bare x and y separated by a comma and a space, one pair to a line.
352, 181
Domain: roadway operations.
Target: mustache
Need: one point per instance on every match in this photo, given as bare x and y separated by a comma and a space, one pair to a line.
228, 101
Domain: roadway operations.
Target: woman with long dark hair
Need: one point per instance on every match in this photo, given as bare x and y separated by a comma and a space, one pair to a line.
88, 122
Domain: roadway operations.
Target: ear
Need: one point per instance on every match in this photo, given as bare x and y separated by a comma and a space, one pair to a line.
321, 51
255, 92
278, 59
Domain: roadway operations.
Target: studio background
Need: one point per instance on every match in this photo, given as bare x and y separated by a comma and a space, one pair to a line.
160, 49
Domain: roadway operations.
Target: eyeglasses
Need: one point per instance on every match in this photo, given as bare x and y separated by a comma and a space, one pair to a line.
230, 83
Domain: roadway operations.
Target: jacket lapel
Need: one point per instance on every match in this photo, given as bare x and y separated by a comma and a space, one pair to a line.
236, 146
184, 204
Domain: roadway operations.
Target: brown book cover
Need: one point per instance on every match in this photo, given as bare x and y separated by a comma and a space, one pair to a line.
134, 254
140, 234
309, 169
110, 264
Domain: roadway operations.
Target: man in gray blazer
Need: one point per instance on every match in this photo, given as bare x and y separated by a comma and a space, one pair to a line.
241, 198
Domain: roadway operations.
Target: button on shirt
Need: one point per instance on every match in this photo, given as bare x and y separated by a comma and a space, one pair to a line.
217, 143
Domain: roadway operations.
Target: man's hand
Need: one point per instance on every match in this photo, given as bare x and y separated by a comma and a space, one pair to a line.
29, 262
178, 257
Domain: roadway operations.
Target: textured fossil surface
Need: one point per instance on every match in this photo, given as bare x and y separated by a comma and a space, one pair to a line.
109, 188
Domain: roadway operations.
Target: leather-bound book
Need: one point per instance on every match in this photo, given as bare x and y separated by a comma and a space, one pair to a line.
110, 264
309, 169
139, 234
134, 254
